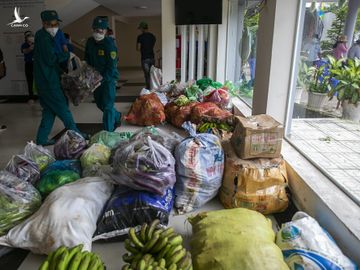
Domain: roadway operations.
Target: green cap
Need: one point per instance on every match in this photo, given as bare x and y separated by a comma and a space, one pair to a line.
49, 15
100, 22
143, 25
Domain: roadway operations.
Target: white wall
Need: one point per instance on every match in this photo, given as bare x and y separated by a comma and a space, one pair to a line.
126, 36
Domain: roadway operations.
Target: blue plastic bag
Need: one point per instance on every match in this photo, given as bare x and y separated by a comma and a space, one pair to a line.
63, 165
199, 168
131, 208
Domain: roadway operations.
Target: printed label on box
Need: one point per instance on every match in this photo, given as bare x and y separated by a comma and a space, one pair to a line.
263, 143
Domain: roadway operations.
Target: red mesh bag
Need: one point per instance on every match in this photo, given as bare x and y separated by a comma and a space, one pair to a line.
147, 110
177, 115
207, 110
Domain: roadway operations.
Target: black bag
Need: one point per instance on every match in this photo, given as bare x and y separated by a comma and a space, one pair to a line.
2, 69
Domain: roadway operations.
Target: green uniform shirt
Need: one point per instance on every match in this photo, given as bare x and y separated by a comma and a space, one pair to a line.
103, 57
46, 61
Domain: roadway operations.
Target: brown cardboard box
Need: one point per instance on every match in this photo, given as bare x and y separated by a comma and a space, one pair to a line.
257, 184
258, 136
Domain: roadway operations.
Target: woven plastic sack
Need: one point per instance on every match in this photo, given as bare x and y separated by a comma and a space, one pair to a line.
155, 78
199, 168
24, 168
110, 139
40, 155
144, 165
18, 200
147, 110
93, 158
132, 208
208, 110
70, 146
67, 217
234, 239
306, 245
167, 139
78, 84
256, 184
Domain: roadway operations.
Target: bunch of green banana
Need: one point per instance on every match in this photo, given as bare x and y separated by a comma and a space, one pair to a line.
72, 259
204, 128
153, 248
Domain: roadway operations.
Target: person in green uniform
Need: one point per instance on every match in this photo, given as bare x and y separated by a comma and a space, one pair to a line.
47, 78
101, 53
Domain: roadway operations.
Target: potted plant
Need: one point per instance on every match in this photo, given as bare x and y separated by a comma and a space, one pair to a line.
319, 85
302, 81
347, 74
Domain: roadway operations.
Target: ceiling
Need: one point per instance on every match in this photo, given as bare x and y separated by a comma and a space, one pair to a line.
127, 8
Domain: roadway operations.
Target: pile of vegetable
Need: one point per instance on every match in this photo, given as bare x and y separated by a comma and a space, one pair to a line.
156, 248
18, 200
110, 139
74, 258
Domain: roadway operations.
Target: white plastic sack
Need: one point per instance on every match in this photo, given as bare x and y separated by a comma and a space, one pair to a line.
306, 245
67, 217
74, 62
155, 78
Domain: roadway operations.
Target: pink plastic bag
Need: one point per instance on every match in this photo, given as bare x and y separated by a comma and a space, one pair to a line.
218, 96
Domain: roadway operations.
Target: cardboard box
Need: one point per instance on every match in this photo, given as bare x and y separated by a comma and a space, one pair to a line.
258, 136
257, 184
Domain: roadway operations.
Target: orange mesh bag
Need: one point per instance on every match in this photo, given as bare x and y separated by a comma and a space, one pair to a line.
208, 110
147, 110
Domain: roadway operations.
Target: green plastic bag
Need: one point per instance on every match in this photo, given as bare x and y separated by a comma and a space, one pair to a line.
56, 178
193, 92
204, 83
110, 139
234, 239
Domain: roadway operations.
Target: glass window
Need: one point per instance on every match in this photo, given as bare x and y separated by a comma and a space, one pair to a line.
324, 124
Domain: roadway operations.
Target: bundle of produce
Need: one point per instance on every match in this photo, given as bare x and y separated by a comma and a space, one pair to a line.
40, 155
155, 248
66, 218
234, 239
132, 208
74, 258
57, 174
199, 168
78, 84
144, 165
167, 139
70, 146
24, 168
214, 128
147, 110
110, 139
306, 245
93, 158
256, 184
177, 115
18, 200
218, 96
208, 109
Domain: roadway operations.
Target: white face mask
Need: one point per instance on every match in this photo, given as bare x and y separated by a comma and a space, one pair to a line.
52, 31
98, 36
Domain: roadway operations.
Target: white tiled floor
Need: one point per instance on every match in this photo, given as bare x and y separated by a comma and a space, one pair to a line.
334, 145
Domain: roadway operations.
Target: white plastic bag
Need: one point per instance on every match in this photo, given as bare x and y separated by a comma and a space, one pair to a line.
306, 245
155, 78
67, 218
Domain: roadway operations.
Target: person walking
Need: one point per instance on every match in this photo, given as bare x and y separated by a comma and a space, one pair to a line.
354, 51
27, 48
145, 44
340, 47
101, 53
47, 78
